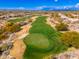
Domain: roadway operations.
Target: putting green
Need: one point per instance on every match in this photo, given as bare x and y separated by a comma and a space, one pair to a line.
37, 40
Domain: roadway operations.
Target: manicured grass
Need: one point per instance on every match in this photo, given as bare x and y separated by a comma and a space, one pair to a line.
16, 20
19, 19
40, 26
42, 40
37, 40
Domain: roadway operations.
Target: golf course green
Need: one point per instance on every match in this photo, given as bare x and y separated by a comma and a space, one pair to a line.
43, 40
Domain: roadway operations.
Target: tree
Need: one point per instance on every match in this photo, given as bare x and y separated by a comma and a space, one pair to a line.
70, 39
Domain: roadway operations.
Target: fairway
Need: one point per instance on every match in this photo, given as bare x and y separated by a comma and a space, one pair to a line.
42, 40
19, 19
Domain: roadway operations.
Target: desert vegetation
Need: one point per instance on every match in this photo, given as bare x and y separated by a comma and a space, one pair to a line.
62, 27
71, 39
9, 28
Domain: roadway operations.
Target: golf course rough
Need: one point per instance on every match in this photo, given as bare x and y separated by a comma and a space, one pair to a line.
43, 40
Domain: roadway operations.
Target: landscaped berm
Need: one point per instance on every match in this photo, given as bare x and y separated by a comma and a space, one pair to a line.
42, 40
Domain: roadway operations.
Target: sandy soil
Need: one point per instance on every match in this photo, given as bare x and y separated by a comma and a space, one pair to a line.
52, 24
19, 47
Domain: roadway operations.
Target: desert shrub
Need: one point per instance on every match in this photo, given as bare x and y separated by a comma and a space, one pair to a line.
62, 27
2, 30
3, 36
71, 39
11, 27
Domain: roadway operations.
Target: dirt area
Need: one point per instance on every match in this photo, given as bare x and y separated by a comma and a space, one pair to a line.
52, 24
23, 32
19, 46
18, 49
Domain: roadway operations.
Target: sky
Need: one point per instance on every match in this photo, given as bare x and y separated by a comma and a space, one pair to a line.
38, 4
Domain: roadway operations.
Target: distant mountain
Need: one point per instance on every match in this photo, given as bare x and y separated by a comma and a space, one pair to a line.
46, 8
60, 8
